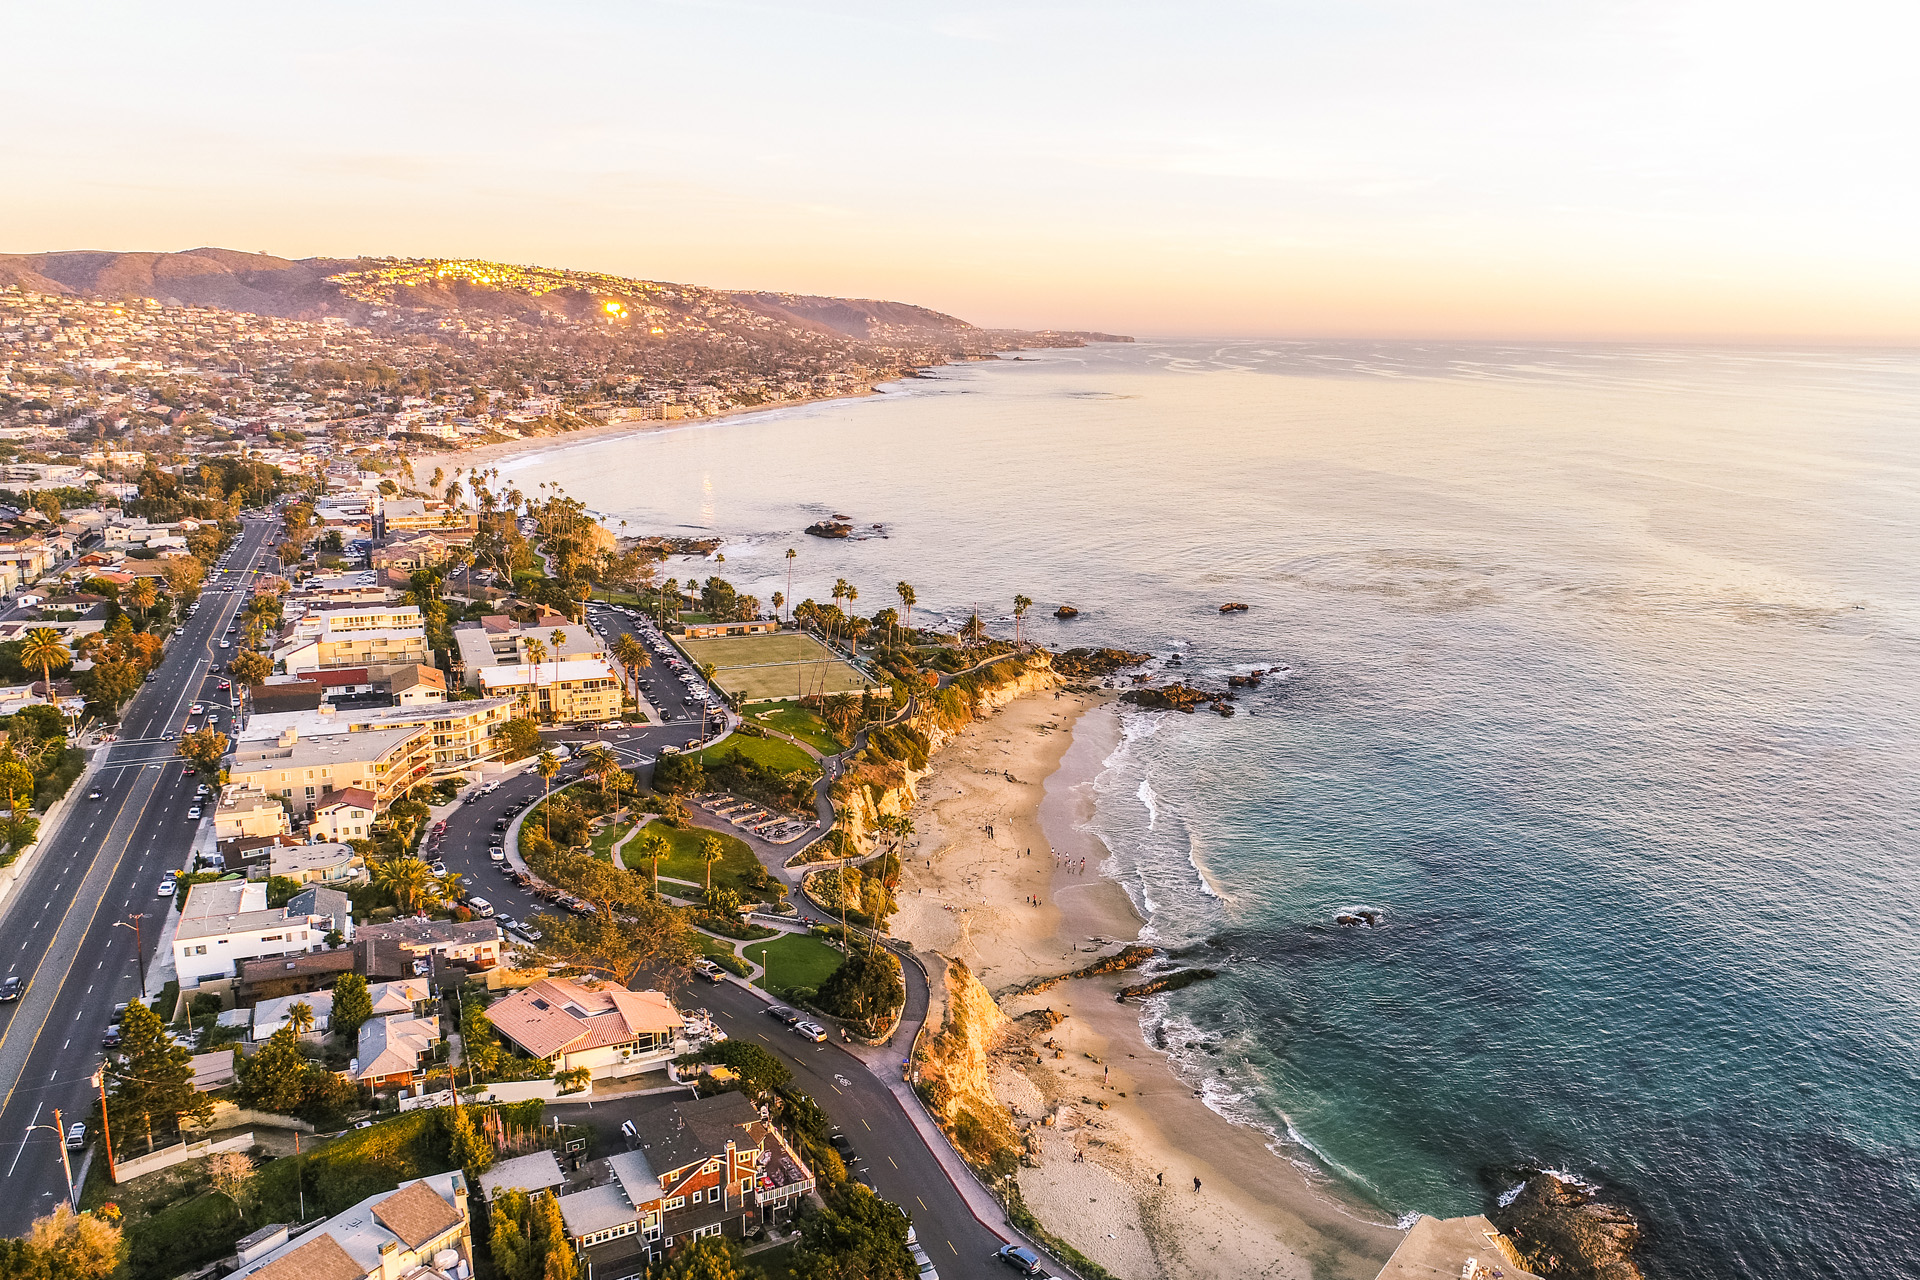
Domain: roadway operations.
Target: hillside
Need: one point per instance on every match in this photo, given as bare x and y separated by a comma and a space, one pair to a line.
425, 293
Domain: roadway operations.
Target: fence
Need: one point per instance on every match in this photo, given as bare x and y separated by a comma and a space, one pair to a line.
167, 1157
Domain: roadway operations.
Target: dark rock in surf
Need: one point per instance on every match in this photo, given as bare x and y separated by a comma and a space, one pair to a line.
830, 529
1563, 1233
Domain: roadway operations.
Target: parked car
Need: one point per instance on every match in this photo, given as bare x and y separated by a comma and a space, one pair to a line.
1024, 1261
501, 824
12, 986
437, 867
810, 1031
194, 812
497, 854
922, 1263
77, 1136
480, 906
783, 1014
709, 970
165, 890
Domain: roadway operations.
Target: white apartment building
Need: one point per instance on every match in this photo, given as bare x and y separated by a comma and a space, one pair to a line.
229, 921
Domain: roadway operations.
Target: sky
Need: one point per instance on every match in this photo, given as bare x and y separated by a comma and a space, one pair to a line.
1484, 168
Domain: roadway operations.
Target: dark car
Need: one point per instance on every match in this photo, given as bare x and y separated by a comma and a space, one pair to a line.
111, 1039
1025, 1261
12, 986
501, 824
786, 1016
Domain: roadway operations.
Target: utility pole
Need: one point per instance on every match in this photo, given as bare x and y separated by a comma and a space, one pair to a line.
106, 1129
66, 1165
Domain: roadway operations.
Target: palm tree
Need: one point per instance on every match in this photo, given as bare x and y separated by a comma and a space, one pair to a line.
142, 596
778, 599
1020, 606
653, 847
300, 1017
670, 587
791, 555
707, 673
905, 591
632, 656
559, 640
602, 764
711, 851
536, 654
548, 764
43, 648
408, 879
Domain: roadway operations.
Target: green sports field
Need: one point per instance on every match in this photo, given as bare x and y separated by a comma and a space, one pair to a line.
785, 664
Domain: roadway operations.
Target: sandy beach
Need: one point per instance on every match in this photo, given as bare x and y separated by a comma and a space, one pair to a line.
488, 455
1002, 877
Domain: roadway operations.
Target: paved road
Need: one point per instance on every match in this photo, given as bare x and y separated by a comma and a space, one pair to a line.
60, 928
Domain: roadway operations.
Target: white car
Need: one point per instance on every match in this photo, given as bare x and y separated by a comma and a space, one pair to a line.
194, 812
480, 906
166, 889
497, 854
225, 645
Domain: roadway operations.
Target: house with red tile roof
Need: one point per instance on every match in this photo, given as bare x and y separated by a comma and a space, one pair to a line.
600, 1028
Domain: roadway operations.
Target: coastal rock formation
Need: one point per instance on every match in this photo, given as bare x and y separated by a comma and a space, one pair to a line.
1074, 663
1173, 697
953, 1072
676, 546
1233, 606
873, 789
838, 527
1172, 981
1563, 1233
1066, 611
1129, 957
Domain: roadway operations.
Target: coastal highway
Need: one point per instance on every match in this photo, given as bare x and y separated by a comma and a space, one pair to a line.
61, 928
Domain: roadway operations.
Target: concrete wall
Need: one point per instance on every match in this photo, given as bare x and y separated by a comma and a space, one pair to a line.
167, 1157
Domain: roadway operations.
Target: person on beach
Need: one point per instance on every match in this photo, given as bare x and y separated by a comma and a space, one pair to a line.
1196, 1182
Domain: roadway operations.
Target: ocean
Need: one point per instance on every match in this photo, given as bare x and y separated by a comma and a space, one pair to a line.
1600, 684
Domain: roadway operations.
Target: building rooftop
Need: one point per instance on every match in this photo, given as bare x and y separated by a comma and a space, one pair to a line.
334, 748
557, 1014
318, 723
693, 1131
596, 1209
348, 1245
429, 932
545, 673
228, 906
534, 1172
294, 861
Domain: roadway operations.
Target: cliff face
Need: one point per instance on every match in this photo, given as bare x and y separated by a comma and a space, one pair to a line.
953, 1073
874, 789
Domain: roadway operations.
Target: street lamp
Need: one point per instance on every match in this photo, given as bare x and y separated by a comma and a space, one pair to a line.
135, 917
66, 1165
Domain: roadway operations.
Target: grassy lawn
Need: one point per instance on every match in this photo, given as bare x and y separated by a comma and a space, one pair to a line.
798, 960
608, 836
792, 718
737, 869
772, 752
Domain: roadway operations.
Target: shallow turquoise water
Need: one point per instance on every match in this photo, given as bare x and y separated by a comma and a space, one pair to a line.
1601, 685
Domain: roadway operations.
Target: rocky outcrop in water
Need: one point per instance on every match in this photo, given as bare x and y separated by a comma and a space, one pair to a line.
1563, 1233
1173, 697
838, 527
1233, 606
1165, 982
1130, 957
1066, 611
1096, 662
